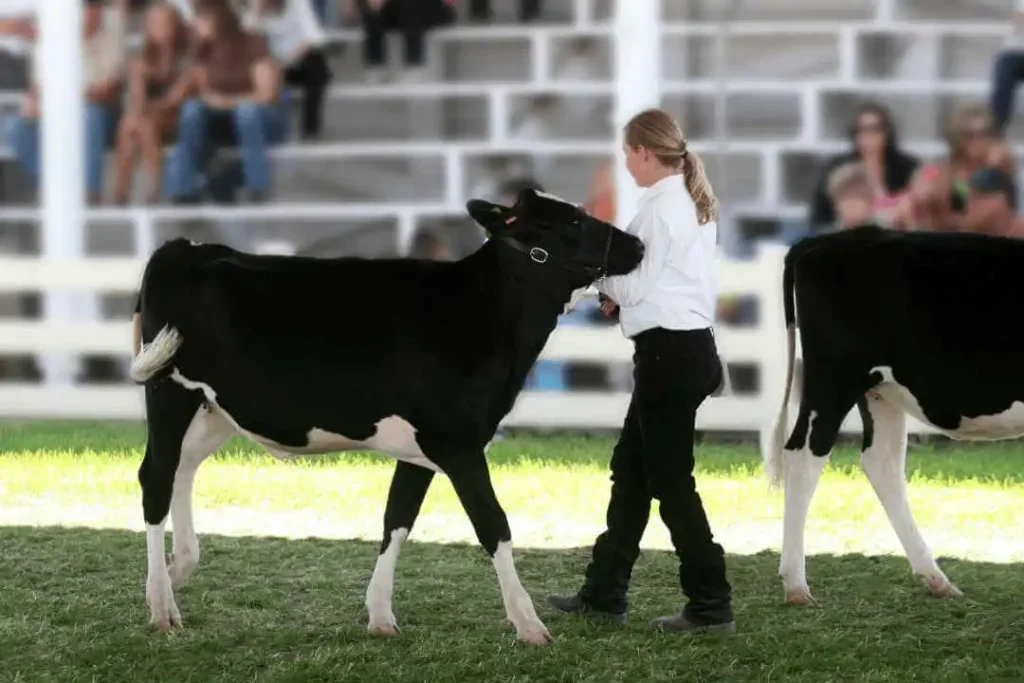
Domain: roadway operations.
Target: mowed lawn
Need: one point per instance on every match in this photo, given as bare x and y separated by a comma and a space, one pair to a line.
288, 548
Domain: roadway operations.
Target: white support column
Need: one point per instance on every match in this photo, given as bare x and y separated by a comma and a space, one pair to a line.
583, 12
454, 179
406, 231
62, 141
498, 112
540, 57
637, 84
885, 10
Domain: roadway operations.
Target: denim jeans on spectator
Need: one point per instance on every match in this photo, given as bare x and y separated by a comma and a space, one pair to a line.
1007, 72
23, 137
256, 127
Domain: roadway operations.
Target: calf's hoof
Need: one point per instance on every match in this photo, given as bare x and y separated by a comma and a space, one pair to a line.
941, 587
163, 620
180, 569
163, 612
383, 627
535, 634
799, 596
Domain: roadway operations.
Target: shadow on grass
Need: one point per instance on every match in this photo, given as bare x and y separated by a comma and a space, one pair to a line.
941, 460
72, 608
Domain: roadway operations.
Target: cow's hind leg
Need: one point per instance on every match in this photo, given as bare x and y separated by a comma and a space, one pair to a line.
170, 410
205, 434
409, 487
804, 459
883, 460
472, 482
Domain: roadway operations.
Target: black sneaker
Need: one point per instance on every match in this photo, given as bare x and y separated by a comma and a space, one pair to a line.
679, 623
574, 604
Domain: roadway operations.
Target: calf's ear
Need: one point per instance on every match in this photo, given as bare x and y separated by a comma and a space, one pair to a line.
547, 209
491, 217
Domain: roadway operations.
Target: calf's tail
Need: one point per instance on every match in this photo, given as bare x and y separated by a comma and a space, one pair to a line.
771, 452
151, 358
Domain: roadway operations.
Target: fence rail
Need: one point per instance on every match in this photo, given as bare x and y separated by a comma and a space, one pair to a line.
762, 346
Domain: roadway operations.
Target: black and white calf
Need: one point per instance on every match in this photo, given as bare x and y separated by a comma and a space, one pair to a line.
417, 359
895, 323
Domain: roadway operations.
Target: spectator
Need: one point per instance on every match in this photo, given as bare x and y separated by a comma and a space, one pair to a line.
17, 32
601, 201
875, 145
509, 189
529, 10
412, 17
992, 203
851, 192
429, 245
103, 66
1007, 72
158, 83
188, 8
296, 41
240, 97
938, 195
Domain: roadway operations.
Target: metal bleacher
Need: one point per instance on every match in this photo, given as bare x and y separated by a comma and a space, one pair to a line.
506, 98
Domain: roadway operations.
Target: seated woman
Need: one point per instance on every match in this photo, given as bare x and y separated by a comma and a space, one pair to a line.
152, 116
937, 199
240, 100
874, 144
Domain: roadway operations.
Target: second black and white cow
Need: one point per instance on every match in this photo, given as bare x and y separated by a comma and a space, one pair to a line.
895, 323
417, 359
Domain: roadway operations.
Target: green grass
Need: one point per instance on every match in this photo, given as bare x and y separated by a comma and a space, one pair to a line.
289, 547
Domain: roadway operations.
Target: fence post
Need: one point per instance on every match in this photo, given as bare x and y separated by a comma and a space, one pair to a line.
62, 130
637, 84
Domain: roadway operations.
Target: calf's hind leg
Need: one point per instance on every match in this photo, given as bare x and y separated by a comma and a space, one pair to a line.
170, 410
883, 460
409, 487
205, 434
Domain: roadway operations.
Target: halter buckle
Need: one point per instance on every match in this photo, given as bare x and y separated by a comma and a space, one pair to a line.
538, 255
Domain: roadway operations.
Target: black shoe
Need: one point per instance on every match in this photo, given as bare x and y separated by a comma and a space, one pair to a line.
574, 604
679, 623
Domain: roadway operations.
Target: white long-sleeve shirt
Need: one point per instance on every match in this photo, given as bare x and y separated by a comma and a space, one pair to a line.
296, 25
676, 284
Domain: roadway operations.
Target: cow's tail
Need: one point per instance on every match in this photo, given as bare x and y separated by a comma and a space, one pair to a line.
151, 358
155, 355
771, 452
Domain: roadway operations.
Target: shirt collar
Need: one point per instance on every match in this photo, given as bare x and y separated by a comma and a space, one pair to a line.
666, 184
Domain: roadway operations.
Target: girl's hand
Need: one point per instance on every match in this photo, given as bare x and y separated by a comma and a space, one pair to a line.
608, 306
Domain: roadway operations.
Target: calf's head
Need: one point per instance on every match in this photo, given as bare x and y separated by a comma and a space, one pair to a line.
560, 236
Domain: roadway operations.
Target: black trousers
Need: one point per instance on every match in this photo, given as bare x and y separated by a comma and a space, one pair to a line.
412, 17
528, 9
674, 371
1007, 73
311, 74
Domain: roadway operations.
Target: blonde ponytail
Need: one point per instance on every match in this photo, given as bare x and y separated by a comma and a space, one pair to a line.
659, 132
699, 187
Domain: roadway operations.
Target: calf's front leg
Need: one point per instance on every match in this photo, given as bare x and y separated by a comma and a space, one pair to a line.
409, 487
472, 482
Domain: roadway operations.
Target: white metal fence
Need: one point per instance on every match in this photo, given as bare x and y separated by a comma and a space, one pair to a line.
762, 345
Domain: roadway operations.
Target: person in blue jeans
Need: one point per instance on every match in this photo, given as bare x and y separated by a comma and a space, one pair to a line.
240, 101
103, 74
22, 135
